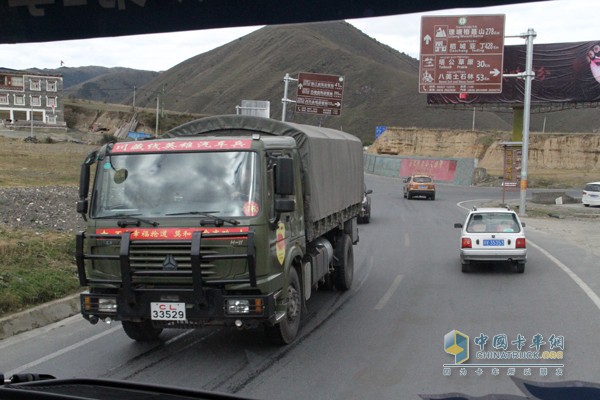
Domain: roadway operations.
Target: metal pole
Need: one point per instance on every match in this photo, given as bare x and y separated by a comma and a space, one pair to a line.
285, 95
526, 111
285, 99
544, 127
157, 102
473, 127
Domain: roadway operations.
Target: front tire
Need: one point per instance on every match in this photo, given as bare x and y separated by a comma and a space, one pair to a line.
141, 331
344, 270
286, 331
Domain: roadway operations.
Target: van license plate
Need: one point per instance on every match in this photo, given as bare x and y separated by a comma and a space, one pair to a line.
167, 311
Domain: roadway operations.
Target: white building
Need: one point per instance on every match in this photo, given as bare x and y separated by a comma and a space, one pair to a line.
26, 95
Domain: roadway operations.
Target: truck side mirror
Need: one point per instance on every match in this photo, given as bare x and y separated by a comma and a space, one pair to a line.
84, 183
284, 176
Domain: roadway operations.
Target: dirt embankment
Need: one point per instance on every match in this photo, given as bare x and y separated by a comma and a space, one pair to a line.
88, 116
572, 159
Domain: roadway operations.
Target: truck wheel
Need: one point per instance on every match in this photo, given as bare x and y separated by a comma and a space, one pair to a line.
141, 331
285, 332
344, 271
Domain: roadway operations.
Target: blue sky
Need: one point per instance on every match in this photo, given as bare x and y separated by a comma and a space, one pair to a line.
554, 21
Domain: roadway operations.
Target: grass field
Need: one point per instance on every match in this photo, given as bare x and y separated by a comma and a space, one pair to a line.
37, 266
40, 164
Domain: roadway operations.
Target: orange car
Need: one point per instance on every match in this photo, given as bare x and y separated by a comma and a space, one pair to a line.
419, 185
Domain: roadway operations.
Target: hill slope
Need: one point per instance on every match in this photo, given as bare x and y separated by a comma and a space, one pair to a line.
380, 82
111, 85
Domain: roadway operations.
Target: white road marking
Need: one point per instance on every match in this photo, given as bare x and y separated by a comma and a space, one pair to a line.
586, 289
406, 240
62, 351
390, 292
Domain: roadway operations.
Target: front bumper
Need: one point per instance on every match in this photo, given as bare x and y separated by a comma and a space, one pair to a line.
211, 309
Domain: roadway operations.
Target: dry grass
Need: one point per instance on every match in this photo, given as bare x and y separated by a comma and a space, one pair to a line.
40, 164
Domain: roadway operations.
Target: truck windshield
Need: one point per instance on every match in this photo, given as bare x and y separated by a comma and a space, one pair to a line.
222, 183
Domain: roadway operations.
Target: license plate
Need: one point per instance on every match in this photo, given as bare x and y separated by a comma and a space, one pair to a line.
423, 187
493, 242
167, 311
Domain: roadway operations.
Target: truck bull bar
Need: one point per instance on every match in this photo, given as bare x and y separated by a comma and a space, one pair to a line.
196, 257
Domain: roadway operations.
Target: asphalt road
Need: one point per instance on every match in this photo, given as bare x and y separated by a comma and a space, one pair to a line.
385, 337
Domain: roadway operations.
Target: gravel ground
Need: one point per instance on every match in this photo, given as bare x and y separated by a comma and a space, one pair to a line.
41, 208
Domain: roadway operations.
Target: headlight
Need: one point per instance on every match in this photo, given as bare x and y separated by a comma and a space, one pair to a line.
107, 305
235, 306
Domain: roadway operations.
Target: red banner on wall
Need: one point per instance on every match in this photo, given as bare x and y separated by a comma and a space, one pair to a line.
440, 170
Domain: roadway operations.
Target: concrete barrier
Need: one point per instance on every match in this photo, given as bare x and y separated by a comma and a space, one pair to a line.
553, 198
39, 316
458, 171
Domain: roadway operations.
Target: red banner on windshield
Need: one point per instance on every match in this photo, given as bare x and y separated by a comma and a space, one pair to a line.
181, 145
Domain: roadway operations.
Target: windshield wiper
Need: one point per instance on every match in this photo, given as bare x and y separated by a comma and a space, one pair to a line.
133, 220
218, 221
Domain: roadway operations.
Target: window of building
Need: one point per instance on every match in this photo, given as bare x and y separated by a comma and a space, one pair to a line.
51, 119
51, 102
35, 84
16, 81
36, 101
19, 99
3, 98
51, 86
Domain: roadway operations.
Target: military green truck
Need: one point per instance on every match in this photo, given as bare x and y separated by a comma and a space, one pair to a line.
227, 220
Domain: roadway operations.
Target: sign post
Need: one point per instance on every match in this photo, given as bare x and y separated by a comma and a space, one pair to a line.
319, 94
461, 54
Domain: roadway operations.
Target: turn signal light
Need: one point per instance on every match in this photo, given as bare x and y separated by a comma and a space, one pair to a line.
258, 303
466, 243
521, 243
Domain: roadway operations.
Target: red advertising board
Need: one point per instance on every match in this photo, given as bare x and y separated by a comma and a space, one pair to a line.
319, 94
461, 54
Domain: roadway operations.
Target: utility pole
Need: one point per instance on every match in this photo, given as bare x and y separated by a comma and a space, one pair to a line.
157, 103
528, 75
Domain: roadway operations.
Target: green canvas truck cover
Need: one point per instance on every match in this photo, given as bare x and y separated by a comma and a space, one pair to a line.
332, 160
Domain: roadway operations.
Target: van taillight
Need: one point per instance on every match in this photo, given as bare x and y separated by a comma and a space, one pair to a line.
521, 243
466, 243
